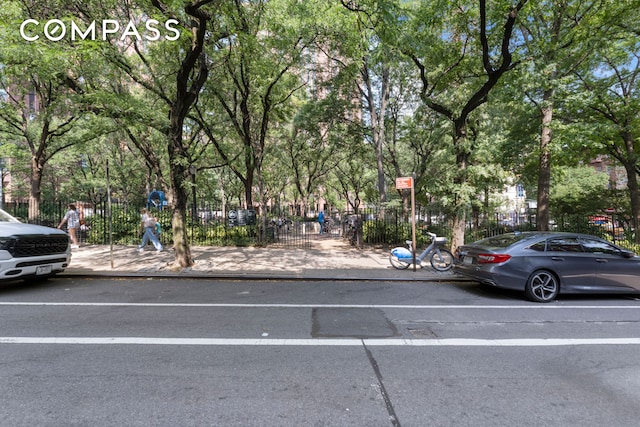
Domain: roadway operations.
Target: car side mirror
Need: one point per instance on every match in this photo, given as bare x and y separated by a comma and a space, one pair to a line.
627, 254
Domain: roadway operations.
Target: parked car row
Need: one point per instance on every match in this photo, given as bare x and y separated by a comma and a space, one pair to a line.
546, 264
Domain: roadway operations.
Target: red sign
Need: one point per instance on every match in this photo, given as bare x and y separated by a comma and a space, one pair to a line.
404, 182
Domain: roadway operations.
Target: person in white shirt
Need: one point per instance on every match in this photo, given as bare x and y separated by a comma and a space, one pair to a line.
148, 228
72, 218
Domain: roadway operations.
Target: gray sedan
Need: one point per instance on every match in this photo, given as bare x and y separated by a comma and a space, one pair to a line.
544, 264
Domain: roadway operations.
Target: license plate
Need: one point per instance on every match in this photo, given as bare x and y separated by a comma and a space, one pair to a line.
43, 269
467, 260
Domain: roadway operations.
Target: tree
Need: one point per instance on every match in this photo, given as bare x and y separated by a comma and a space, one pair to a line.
254, 85
414, 140
460, 52
560, 37
380, 77
321, 138
42, 112
578, 191
355, 175
610, 111
190, 78
149, 66
262, 72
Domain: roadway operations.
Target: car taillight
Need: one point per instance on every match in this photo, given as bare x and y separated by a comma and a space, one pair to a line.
492, 258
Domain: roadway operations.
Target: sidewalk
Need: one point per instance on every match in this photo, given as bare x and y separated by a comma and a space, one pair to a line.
325, 260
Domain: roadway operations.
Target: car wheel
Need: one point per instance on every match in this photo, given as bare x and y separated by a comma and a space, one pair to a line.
542, 286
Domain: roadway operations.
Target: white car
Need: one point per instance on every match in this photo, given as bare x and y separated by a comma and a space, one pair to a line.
28, 250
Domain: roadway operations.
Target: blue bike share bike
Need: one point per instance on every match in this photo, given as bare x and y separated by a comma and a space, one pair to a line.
441, 259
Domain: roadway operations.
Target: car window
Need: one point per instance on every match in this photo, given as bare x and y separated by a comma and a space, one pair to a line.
5, 217
540, 246
564, 244
503, 240
599, 247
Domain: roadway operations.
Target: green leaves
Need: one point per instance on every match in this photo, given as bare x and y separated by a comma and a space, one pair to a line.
279, 110
578, 190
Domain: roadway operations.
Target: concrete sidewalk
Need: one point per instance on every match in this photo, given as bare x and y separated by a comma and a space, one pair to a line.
331, 259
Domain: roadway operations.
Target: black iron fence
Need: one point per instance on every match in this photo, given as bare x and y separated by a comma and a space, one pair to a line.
209, 227
392, 226
212, 226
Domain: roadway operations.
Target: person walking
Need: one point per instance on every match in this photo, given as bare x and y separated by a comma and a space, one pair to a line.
148, 228
72, 219
321, 221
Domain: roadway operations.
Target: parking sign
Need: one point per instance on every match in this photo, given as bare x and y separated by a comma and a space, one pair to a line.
404, 182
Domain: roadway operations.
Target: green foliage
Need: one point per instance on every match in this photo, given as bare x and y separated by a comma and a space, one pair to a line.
628, 244
221, 235
125, 226
273, 105
126, 229
389, 233
381, 232
578, 190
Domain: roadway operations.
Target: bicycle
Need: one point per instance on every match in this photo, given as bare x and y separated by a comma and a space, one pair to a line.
326, 227
441, 259
350, 229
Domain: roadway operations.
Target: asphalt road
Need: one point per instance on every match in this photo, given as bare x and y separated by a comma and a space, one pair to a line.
123, 352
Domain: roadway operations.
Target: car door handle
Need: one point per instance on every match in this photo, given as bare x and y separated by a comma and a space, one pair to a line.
601, 260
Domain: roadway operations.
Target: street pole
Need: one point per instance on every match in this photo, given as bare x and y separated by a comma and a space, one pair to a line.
404, 183
1, 183
413, 218
192, 171
109, 212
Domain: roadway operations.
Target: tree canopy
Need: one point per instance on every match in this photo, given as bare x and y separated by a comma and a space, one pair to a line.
274, 103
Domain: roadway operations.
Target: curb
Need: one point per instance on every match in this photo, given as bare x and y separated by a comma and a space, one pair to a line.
328, 264
256, 277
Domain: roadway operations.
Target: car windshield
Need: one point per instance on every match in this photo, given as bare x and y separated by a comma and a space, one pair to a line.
5, 217
503, 240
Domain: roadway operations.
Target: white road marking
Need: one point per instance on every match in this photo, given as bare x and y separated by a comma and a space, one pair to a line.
382, 306
348, 342
449, 342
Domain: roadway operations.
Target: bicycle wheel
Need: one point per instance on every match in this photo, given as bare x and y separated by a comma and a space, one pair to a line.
397, 263
442, 260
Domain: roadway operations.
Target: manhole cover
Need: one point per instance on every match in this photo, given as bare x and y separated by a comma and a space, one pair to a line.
351, 322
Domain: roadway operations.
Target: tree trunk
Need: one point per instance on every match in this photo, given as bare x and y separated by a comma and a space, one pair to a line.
377, 116
248, 191
182, 250
459, 210
458, 229
379, 143
262, 194
179, 176
544, 169
634, 195
35, 189
190, 79
632, 183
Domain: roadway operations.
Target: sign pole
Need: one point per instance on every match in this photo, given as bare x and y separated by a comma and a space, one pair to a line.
407, 182
413, 219
109, 213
